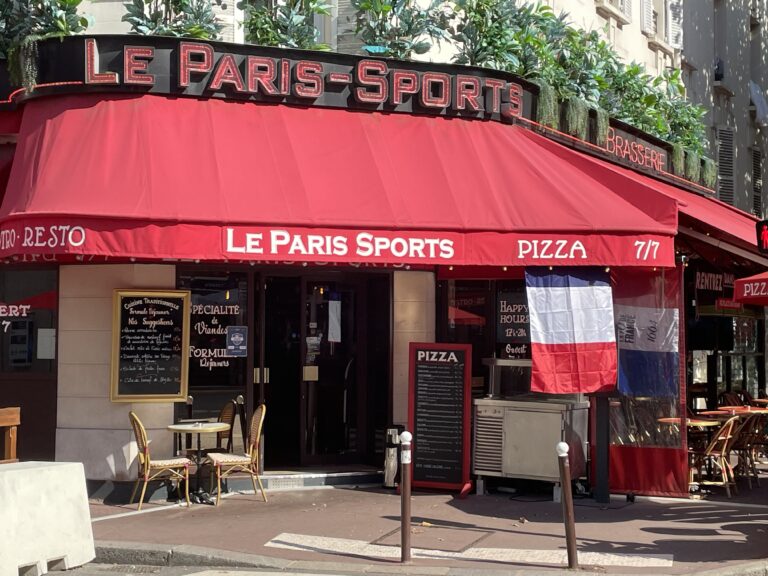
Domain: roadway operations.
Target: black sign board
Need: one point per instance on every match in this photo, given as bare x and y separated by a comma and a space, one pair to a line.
150, 346
513, 325
512, 320
439, 415
762, 236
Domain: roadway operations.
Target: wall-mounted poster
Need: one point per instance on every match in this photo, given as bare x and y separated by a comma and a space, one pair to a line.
150, 345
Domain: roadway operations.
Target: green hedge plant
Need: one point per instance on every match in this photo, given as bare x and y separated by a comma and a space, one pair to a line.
708, 172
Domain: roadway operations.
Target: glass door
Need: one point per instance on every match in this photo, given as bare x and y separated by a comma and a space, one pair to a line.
332, 406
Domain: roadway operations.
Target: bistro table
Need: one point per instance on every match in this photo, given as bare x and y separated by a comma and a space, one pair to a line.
690, 422
199, 496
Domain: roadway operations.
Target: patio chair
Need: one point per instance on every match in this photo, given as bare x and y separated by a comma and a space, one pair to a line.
227, 415
717, 451
226, 465
730, 399
168, 469
744, 445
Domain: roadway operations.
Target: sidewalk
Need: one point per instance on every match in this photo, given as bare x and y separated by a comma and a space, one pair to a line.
356, 530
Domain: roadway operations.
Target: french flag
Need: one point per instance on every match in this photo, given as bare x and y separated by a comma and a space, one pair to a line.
573, 342
648, 328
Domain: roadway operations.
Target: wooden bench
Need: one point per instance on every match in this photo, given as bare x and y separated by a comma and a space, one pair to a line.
10, 419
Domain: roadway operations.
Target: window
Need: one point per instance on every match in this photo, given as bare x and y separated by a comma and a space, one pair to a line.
619, 10
28, 314
757, 182
219, 300
725, 184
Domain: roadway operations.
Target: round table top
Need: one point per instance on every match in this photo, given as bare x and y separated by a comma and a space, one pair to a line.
759, 400
690, 422
200, 427
727, 412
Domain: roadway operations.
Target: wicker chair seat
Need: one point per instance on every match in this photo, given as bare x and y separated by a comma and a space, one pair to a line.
170, 463
226, 458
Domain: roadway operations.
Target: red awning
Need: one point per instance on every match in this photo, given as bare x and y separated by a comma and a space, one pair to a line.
156, 177
752, 290
723, 220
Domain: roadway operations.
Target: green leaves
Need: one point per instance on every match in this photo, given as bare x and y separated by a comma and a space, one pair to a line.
289, 24
181, 18
529, 40
23, 23
399, 28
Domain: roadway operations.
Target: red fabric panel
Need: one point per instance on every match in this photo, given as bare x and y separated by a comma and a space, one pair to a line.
188, 160
650, 471
573, 368
752, 290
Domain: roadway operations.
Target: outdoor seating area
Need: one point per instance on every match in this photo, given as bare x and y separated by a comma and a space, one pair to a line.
725, 444
221, 458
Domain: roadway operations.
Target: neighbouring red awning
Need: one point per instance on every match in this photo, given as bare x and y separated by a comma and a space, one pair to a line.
155, 177
752, 290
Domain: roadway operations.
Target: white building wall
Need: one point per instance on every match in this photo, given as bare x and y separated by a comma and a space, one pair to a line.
90, 428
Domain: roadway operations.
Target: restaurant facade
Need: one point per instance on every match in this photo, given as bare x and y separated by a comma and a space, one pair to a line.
322, 212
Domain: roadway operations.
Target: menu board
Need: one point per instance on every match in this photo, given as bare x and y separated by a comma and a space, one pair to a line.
513, 325
150, 346
439, 415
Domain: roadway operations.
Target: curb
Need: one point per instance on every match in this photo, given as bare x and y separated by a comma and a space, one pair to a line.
108, 552
126, 553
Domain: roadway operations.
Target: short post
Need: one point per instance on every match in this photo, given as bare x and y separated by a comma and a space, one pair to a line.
567, 499
405, 496
188, 437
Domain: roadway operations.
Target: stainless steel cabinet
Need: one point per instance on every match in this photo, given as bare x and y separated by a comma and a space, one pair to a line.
517, 438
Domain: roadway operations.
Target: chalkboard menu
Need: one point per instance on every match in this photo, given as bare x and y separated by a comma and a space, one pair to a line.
439, 414
150, 346
513, 325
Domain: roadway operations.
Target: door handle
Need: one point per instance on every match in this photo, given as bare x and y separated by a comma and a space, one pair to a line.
257, 379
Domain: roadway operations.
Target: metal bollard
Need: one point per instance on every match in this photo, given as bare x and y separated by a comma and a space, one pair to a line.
405, 496
390, 457
567, 499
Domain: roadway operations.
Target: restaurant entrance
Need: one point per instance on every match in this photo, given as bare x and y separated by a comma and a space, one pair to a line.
322, 341
315, 390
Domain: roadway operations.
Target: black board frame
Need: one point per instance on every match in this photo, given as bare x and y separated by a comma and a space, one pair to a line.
184, 299
465, 484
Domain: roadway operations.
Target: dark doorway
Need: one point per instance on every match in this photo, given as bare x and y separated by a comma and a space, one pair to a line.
282, 358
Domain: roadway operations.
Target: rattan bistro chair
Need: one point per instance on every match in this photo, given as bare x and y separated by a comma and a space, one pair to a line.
171, 469
718, 452
224, 439
226, 465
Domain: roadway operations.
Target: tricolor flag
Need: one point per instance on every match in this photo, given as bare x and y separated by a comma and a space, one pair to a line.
573, 343
648, 332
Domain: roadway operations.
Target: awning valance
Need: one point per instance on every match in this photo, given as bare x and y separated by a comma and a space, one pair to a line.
156, 177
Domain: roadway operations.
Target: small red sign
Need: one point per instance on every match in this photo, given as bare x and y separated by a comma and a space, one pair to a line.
726, 304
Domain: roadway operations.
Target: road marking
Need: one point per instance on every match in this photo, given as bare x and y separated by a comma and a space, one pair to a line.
328, 545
